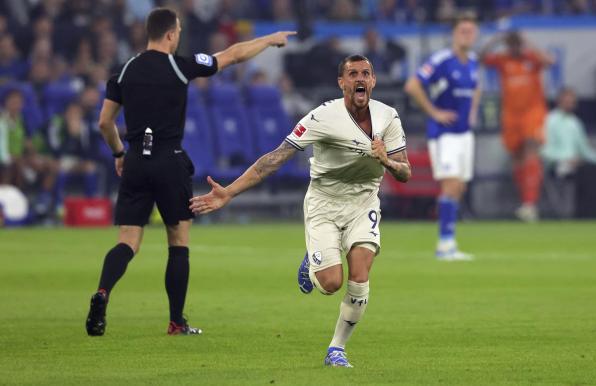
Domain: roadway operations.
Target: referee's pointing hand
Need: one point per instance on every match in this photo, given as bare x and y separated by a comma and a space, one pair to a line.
215, 199
280, 39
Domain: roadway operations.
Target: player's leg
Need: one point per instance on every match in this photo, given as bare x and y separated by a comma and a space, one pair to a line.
353, 305
321, 266
362, 240
449, 155
176, 279
530, 165
133, 207
172, 194
114, 266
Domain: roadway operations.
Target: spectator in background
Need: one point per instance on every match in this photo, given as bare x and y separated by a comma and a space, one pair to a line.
446, 11
344, 10
294, 103
107, 51
12, 66
523, 110
137, 39
282, 10
569, 159
28, 163
139, 9
386, 56
566, 145
76, 152
39, 77
83, 59
505, 8
259, 78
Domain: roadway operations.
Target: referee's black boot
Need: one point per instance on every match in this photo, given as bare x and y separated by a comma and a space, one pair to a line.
96, 319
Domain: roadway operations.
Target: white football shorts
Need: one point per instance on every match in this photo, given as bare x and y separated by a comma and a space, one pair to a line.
333, 226
452, 156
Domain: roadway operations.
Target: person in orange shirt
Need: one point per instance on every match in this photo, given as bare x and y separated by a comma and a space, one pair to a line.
523, 111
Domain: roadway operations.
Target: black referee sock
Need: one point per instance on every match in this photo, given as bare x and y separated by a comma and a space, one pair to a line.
114, 266
177, 281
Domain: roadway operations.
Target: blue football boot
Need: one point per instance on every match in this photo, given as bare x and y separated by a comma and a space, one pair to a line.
336, 357
304, 282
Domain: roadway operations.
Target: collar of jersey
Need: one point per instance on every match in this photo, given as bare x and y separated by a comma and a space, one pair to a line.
358, 126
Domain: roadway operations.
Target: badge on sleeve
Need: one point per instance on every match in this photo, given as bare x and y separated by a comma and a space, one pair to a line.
204, 59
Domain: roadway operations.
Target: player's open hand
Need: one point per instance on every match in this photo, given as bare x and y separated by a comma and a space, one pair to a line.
280, 39
215, 199
445, 117
378, 149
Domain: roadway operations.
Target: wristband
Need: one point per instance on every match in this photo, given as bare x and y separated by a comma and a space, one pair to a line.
120, 154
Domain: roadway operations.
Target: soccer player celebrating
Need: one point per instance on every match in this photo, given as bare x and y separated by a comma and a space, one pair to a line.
355, 140
446, 88
523, 112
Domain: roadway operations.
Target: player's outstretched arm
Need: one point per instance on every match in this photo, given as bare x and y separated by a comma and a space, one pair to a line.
397, 164
257, 172
243, 51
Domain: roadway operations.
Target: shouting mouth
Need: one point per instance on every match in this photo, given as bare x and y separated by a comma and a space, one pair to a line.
360, 92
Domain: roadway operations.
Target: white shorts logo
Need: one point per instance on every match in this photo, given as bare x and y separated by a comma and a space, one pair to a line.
204, 59
317, 257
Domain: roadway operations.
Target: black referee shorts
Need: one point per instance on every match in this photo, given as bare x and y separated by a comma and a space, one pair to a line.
164, 179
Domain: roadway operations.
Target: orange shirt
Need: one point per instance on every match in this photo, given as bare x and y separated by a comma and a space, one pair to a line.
521, 81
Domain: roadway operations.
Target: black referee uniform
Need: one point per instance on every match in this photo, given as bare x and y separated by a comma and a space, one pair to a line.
152, 88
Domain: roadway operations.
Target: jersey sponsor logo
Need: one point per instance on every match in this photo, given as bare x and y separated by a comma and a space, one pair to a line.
463, 92
204, 59
357, 142
312, 118
299, 130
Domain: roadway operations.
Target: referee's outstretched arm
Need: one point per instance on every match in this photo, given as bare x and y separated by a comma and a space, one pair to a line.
242, 51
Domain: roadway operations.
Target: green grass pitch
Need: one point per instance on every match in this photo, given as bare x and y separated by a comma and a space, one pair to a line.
523, 313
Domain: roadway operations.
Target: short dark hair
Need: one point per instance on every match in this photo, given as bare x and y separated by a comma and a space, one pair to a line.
160, 21
467, 16
349, 59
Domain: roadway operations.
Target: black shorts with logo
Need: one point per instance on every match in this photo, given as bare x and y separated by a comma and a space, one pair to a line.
164, 179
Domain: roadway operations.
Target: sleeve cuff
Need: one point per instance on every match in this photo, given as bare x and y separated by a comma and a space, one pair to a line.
396, 150
294, 144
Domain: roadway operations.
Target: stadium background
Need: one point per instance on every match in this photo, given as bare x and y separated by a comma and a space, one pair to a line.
522, 313
59, 53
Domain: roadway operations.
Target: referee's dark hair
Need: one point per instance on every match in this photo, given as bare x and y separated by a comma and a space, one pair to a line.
352, 58
160, 21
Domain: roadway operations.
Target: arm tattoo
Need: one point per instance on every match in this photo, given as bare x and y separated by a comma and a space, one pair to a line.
272, 161
399, 166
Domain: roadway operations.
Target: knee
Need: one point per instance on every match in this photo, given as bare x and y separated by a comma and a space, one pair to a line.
133, 244
359, 277
329, 284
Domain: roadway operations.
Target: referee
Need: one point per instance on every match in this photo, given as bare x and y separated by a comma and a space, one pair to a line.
152, 88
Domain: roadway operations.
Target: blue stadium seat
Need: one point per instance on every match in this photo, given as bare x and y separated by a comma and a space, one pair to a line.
198, 141
58, 95
233, 139
270, 125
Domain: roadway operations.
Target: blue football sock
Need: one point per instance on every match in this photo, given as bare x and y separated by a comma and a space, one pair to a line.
447, 217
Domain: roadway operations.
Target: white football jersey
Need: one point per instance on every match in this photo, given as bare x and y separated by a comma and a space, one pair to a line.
342, 162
